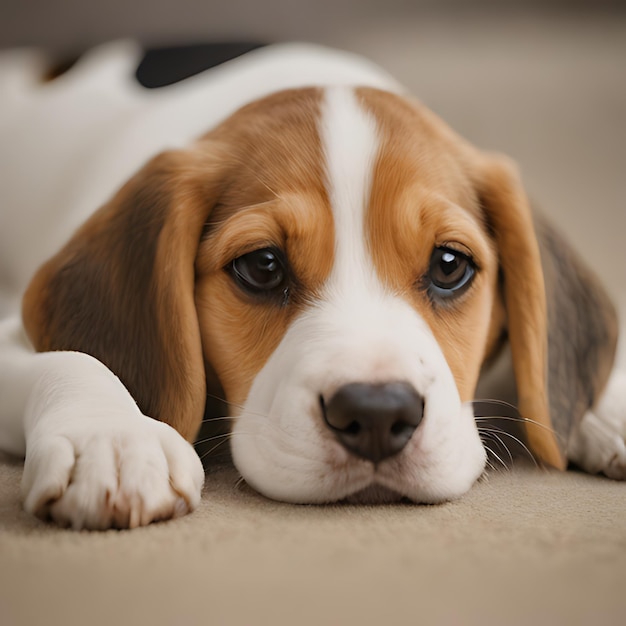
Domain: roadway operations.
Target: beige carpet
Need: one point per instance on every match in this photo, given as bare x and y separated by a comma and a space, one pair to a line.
521, 548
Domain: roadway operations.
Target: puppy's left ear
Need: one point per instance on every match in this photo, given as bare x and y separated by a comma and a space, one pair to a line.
508, 215
122, 289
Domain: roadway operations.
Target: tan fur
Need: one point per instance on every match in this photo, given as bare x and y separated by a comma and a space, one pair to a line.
240, 333
276, 198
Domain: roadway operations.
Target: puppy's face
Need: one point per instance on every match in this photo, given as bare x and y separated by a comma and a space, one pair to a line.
346, 279
344, 264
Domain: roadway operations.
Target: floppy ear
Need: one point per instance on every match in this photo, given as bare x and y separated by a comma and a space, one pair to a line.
582, 330
122, 289
508, 215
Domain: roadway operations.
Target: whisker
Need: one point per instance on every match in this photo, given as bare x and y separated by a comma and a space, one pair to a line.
248, 416
500, 431
297, 451
484, 406
235, 405
494, 436
224, 438
507, 411
213, 438
517, 440
519, 419
493, 453
215, 447
216, 397
217, 418
490, 466
502, 463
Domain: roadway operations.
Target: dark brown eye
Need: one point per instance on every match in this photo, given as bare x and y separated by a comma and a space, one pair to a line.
260, 271
450, 272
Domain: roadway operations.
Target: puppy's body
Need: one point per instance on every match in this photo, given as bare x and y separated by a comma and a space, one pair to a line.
321, 245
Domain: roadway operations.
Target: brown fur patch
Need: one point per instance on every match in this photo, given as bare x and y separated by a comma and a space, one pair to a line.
122, 289
275, 197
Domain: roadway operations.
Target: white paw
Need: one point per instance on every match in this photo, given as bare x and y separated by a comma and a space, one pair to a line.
109, 471
598, 444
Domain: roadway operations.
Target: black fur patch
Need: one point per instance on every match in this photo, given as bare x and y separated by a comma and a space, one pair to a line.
165, 66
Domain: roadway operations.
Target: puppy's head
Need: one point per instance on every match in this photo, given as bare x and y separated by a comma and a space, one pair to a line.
334, 260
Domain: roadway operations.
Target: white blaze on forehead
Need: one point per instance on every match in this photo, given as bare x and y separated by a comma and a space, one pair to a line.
361, 320
350, 145
357, 331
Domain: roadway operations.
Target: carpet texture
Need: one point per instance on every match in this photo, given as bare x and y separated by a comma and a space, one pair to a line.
523, 547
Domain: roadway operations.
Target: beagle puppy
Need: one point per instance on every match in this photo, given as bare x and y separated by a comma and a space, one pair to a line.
291, 234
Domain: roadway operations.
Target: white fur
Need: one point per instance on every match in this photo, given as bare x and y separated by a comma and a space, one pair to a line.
357, 332
92, 459
598, 443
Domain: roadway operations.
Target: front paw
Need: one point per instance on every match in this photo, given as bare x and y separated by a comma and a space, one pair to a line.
110, 473
598, 443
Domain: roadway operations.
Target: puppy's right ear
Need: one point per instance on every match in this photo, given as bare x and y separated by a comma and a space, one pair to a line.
122, 289
508, 215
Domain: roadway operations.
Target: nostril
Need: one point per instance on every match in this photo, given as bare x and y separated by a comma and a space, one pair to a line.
399, 427
322, 404
353, 428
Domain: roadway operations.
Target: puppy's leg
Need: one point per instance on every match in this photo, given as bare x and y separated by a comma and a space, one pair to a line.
15, 385
598, 443
93, 460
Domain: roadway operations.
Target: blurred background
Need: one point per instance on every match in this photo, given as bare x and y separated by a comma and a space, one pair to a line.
68, 23
542, 80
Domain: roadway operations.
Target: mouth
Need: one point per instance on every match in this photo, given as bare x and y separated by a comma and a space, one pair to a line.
375, 494
304, 463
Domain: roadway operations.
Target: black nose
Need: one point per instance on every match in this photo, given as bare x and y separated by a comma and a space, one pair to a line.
374, 421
